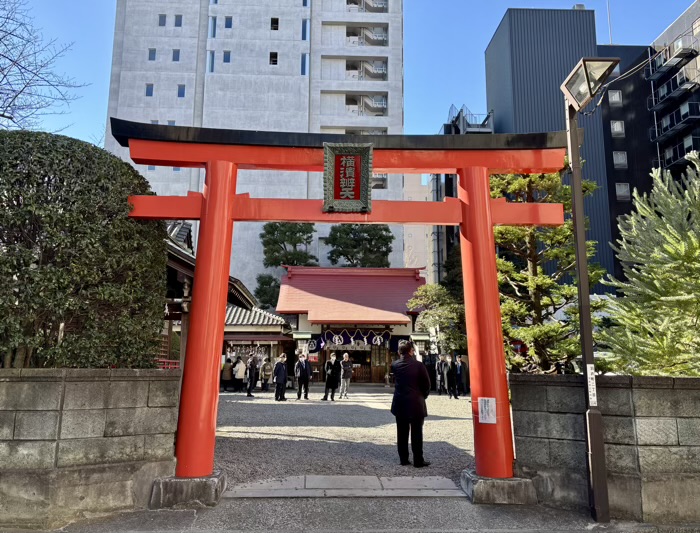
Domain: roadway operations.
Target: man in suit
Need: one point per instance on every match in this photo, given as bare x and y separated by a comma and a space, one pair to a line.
302, 371
280, 378
412, 386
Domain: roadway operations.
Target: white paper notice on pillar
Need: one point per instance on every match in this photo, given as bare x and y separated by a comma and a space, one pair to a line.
487, 410
592, 391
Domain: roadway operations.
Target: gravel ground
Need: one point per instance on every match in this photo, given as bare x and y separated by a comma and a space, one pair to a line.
259, 439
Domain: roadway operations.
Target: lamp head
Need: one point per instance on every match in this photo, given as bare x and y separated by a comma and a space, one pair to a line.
588, 76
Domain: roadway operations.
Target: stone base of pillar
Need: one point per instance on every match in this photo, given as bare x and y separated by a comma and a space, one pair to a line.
508, 491
198, 491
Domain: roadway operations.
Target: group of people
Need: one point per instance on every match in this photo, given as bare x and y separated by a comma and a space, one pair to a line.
236, 375
452, 376
242, 375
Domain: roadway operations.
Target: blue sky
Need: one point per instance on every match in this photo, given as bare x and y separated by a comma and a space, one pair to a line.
444, 43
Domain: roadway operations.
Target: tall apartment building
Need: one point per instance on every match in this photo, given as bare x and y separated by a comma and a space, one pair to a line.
319, 66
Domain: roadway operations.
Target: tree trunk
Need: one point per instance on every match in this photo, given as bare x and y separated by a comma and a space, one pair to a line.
7, 359
19, 357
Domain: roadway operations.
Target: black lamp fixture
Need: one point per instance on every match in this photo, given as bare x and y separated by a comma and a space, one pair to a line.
584, 82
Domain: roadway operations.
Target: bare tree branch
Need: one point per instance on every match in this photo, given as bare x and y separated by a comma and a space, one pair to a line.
30, 88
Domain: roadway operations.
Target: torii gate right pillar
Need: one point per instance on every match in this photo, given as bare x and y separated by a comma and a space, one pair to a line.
493, 438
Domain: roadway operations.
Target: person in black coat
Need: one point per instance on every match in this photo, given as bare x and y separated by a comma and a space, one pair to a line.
302, 371
252, 375
462, 375
280, 378
333, 370
451, 378
412, 386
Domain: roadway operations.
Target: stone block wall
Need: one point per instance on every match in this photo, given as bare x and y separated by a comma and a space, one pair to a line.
81, 441
651, 431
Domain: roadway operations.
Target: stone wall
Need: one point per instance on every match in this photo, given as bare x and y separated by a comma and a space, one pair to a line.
652, 443
76, 442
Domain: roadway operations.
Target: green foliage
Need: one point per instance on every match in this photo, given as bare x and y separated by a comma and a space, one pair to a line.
656, 318
287, 243
452, 280
175, 346
440, 310
532, 300
82, 284
284, 243
360, 245
268, 290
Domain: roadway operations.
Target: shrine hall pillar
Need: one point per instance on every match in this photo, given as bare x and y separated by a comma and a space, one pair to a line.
493, 440
196, 428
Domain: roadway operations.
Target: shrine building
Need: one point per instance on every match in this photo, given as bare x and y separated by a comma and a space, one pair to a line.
361, 311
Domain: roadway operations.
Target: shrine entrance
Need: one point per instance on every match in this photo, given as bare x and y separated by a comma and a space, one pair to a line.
223, 152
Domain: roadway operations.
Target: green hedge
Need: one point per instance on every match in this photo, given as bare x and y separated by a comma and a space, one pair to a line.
81, 284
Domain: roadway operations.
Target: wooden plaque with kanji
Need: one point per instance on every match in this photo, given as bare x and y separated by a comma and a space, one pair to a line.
346, 178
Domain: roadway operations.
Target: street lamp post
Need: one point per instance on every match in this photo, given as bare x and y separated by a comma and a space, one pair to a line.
579, 89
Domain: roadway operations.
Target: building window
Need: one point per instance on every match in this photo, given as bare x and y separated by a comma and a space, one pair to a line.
273, 58
176, 169
212, 27
228, 23
622, 192
180, 91
149, 89
617, 127
176, 55
305, 30
211, 60
620, 159
274, 24
227, 56
178, 21
305, 3
151, 167
615, 98
171, 122
214, 2
304, 64
154, 122
161, 20
151, 54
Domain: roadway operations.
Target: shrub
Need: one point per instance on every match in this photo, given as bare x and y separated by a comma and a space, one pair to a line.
82, 285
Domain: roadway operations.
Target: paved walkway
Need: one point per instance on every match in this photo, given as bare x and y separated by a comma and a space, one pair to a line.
349, 487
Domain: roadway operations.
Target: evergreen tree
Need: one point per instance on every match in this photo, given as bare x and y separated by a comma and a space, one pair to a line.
268, 290
539, 301
284, 243
441, 310
287, 243
360, 245
656, 318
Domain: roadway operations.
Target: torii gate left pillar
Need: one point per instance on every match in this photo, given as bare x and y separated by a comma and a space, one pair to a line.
219, 206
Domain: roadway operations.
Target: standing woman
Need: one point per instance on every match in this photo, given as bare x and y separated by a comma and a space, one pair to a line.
333, 370
265, 375
238, 374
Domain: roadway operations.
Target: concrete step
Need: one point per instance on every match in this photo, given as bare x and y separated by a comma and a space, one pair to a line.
348, 487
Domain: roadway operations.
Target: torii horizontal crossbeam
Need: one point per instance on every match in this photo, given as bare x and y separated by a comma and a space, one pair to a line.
246, 209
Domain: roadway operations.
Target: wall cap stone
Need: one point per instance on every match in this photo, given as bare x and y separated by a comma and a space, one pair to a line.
652, 382
9, 374
146, 374
686, 383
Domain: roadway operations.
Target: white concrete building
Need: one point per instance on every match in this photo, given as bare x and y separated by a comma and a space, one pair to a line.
320, 66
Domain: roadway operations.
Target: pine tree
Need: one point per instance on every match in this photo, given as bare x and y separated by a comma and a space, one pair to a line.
656, 318
539, 301
360, 245
284, 243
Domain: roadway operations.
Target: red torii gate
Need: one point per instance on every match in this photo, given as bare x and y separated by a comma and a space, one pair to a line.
223, 152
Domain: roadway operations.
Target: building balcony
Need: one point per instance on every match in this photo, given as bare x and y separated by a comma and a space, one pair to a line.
367, 6
365, 105
675, 155
379, 181
366, 36
686, 115
365, 70
675, 55
380, 131
687, 80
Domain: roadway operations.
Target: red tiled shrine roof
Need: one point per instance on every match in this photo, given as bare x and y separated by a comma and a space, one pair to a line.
349, 295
